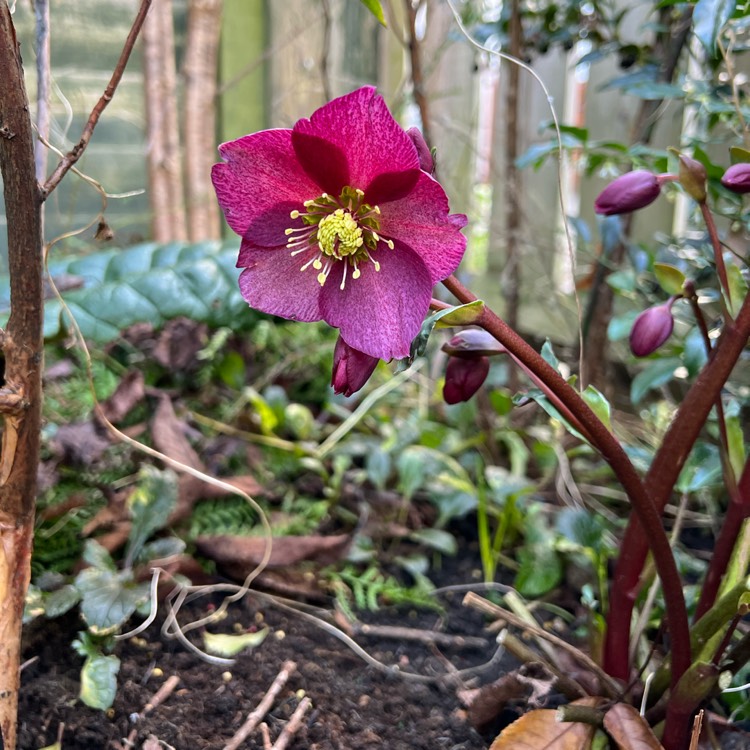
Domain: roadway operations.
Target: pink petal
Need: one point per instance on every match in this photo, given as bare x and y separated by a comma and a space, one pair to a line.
381, 312
421, 222
272, 282
360, 126
259, 171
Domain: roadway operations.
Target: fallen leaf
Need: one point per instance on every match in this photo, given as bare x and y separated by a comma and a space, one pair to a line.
629, 729
178, 344
168, 434
80, 443
239, 555
228, 645
191, 489
128, 394
540, 730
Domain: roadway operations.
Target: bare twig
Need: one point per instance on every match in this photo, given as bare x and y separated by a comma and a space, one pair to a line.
293, 725
156, 700
423, 636
254, 717
76, 152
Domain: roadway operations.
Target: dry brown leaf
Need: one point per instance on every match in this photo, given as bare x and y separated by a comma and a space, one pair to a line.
191, 489
169, 438
629, 729
128, 394
238, 555
178, 344
80, 443
540, 730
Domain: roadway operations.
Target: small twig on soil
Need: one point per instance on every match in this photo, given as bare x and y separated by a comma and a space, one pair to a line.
423, 636
696, 733
28, 663
254, 717
569, 687
266, 735
608, 685
75, 153
156, 700
293, 725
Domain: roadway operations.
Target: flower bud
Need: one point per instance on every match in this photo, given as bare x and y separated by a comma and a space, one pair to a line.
651, 329
426, 162
463, 378
693, 178
737, 178
351, 368
472, 343
627, 193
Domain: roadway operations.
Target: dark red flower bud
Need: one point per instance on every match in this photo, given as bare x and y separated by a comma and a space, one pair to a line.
471, 343
737, 178
351, 368
627, 193
463, 378
426, 162
651, 329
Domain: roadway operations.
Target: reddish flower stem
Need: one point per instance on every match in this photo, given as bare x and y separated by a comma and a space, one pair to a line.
612, 451
721, 269
660, 480
737, 512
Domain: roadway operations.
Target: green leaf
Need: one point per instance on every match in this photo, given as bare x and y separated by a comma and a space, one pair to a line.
670, 278
737, 287
96, 556
411, 471
150, 505
540, 570
376, 9
599, 405
455, 316
655, 375
621, 325
437, 539
378, 466
61, 601
739, 155
709, 18
99, 681
736, 444
299, 420
108, 599
268, 421
549, 356
228, 645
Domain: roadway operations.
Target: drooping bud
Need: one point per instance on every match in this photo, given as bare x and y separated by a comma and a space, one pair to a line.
693, 178
426, 162
737, 178
351, 368
651, 329
471, 343
627, 193
463, 378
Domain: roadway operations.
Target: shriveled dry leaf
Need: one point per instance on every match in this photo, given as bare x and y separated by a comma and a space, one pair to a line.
179, 342
80, 443
128, 394
168, 434
629, 729
540, 730
191, 489
238, 555
486, 703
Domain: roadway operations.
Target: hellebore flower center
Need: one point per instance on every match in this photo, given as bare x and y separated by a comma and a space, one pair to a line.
345, 229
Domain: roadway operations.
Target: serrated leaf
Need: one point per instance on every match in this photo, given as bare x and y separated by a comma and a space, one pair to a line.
108, 599
629, 729
61, 601
540, 730
670, 278
150, 505
96, 556
99, 681
376, 9
709, 18
228, 645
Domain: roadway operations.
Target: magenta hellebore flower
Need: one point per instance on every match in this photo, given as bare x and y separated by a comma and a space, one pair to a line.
651, 329
339, 223
737, 178
463, 378
627, 193
351, 368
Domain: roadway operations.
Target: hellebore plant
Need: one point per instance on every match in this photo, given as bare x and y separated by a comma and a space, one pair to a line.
342, 221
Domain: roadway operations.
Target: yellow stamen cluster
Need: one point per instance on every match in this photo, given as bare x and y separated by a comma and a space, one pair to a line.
343, 229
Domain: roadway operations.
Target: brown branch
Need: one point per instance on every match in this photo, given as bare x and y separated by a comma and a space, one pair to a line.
77, 151
417, 75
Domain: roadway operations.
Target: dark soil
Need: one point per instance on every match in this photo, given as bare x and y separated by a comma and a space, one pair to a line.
355, 706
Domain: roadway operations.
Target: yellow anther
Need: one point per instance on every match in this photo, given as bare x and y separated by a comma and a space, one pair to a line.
294, 215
